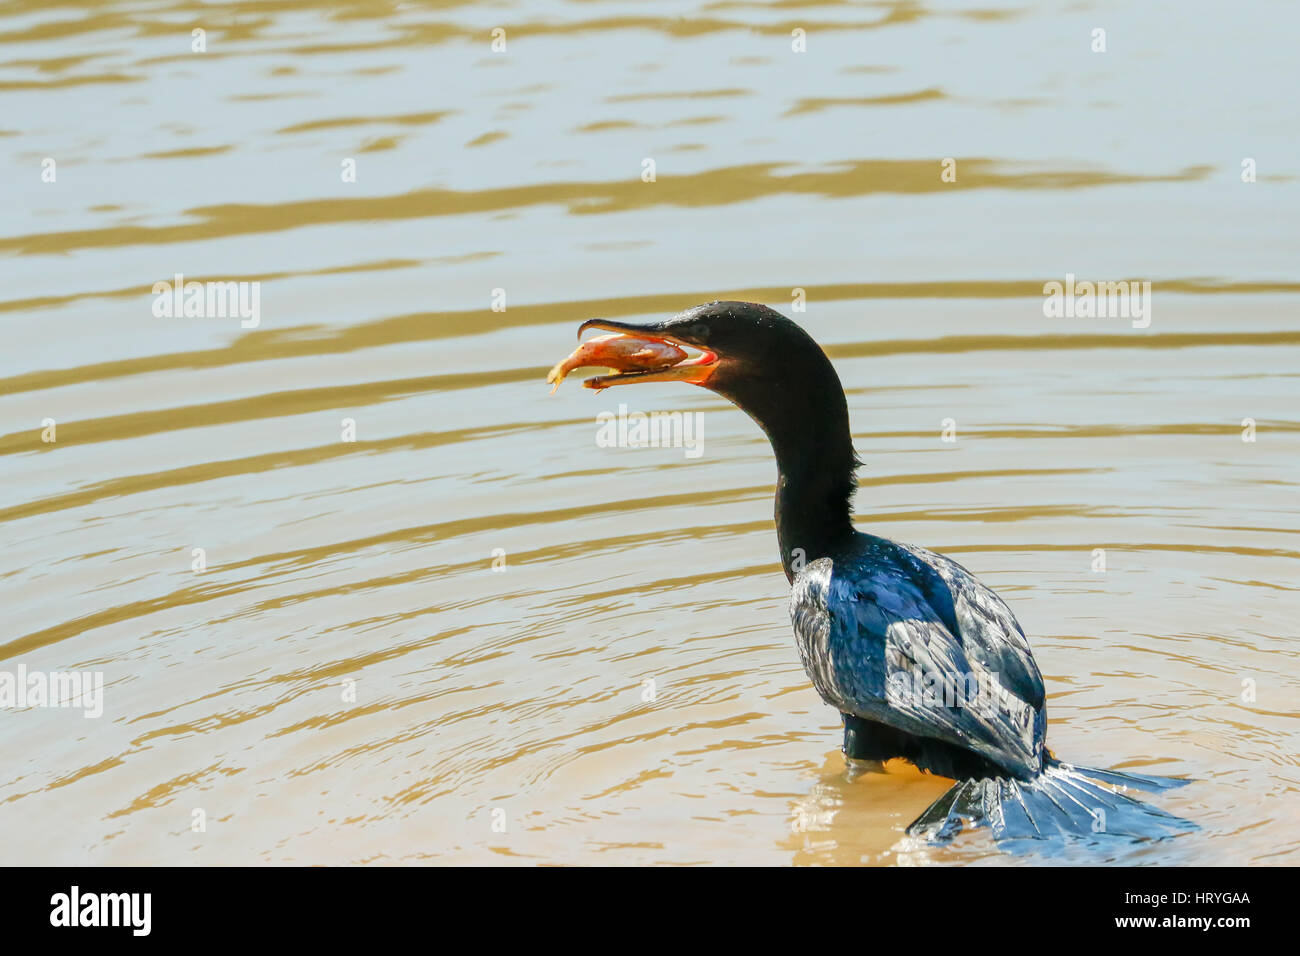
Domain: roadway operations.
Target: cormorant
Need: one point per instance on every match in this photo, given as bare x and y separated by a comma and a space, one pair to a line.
922, 661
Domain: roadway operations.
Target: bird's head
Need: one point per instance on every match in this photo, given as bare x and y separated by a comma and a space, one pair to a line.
773, 370
744, 351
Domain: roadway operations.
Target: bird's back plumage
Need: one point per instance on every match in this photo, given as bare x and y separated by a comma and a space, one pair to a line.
926, 663
881, 623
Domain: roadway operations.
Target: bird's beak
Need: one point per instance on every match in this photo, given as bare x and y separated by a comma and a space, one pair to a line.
695, 370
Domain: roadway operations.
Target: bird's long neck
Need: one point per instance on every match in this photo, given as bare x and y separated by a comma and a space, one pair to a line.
807, 421
814, 491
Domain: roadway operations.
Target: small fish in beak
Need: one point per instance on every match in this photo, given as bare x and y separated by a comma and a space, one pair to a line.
620, 353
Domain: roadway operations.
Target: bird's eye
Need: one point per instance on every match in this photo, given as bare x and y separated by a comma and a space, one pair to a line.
697, 330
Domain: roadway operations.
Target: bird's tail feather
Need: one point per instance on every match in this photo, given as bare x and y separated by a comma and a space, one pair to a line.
1062, 802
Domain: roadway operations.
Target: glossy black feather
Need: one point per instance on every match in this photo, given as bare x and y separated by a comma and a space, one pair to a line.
878, 620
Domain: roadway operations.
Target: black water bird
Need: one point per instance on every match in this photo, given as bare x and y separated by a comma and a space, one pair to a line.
922, 661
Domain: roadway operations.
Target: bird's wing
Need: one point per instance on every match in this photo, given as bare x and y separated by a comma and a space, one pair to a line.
985, 624
892, 641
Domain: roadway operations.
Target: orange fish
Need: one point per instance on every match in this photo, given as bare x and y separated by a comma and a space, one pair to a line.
621, 353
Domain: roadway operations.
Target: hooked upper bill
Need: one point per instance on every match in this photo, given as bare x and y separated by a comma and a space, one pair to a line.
634, 354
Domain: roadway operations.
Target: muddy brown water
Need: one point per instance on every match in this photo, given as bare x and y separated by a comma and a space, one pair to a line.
431, 644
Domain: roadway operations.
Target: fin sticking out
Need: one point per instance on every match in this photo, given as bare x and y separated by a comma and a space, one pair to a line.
1062, 802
